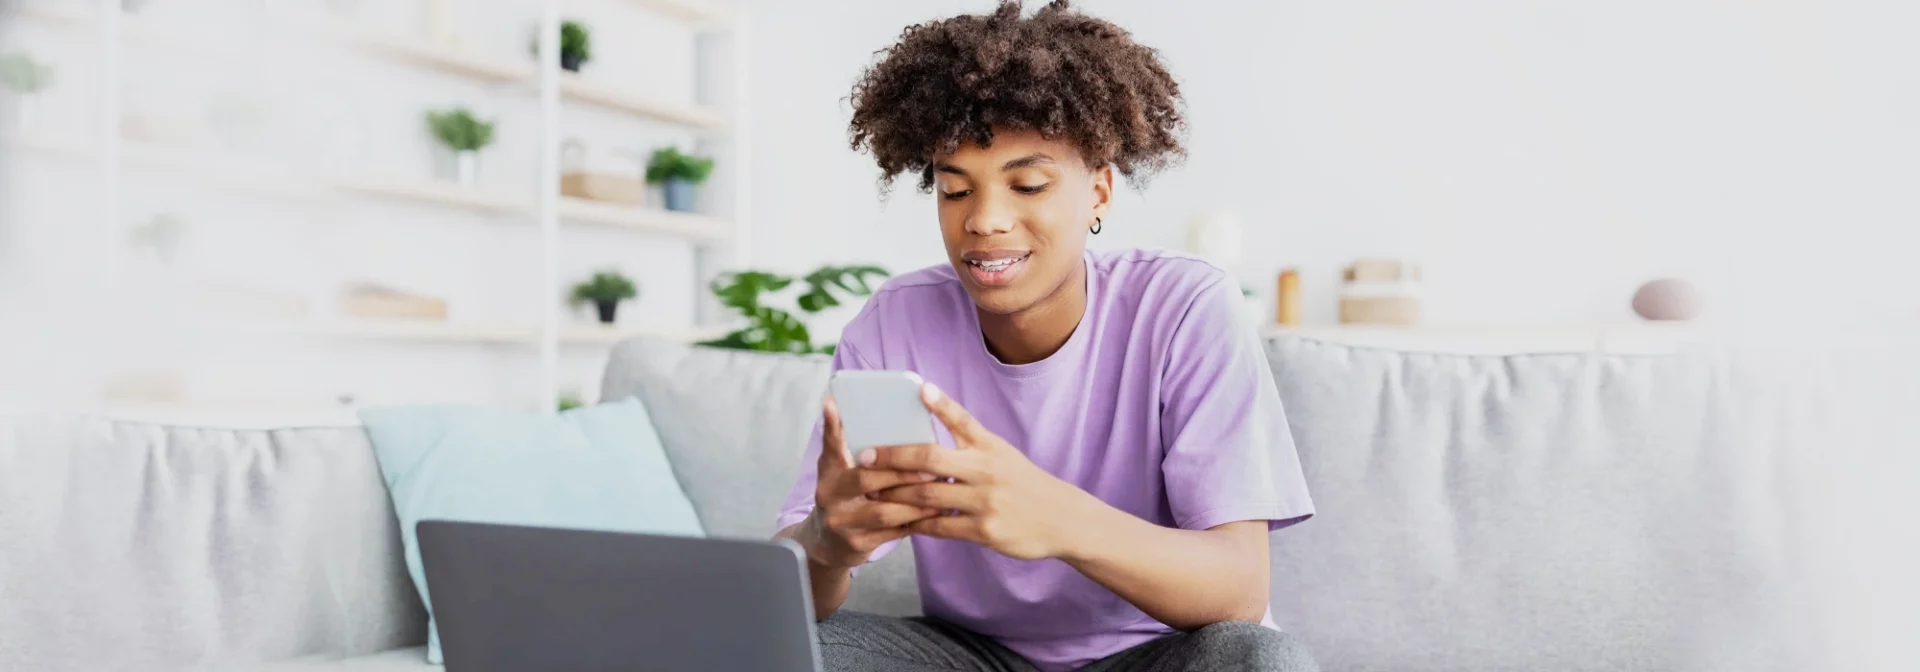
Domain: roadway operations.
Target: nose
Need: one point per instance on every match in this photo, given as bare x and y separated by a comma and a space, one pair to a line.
992, 215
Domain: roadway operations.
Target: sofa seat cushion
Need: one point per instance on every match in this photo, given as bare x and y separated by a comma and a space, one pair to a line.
397, 660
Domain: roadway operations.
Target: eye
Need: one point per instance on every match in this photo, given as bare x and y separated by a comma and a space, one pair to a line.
955, 195
1033, 189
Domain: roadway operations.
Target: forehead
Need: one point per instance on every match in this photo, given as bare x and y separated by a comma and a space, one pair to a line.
1010, 145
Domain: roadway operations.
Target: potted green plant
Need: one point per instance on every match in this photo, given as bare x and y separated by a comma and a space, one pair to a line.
771, 329
26, 78
605, 290
678, 174
576, 45
464, 135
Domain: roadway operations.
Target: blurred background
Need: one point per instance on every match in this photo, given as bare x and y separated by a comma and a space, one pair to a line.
278, 211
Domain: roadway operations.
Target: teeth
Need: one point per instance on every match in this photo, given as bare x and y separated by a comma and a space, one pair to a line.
995, 265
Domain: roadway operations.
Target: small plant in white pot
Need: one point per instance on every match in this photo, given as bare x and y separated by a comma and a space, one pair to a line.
679, 176
464, 135
25, 79
605, 290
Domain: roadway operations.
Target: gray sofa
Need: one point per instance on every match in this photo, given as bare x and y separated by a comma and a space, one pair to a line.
1528, 512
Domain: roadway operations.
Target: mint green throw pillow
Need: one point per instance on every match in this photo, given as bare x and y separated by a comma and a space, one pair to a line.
598, 467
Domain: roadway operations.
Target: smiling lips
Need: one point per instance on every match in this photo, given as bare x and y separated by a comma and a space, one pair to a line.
995, 268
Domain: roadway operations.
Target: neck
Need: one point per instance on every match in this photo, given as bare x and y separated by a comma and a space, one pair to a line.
1040, 330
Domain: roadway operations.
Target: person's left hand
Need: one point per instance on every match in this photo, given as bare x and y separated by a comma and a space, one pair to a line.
998, 498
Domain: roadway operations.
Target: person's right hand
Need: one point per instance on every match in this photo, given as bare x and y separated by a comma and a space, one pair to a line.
847, 523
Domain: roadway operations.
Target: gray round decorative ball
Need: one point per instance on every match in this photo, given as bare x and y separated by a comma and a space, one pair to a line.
1668, 299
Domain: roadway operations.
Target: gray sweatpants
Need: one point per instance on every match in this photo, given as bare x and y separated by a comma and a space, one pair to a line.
857, 642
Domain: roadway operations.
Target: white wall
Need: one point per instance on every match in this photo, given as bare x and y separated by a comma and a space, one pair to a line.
1541, 159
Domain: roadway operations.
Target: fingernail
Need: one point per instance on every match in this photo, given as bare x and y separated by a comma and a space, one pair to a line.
867, 457
930, 393
924, 477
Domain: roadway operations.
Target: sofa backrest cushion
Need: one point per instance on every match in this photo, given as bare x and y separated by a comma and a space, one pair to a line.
735, 424
1549, 511
137, 546
1563, 512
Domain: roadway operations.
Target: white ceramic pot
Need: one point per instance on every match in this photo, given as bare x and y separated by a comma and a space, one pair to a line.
461, 168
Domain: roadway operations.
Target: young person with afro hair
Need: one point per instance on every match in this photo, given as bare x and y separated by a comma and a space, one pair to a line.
1119, 454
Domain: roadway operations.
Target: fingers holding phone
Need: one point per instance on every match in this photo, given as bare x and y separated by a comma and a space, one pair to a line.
848, 524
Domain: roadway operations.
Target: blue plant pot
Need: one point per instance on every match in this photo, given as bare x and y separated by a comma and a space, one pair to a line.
680, 195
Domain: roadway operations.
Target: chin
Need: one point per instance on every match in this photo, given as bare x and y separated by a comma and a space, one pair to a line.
999, 300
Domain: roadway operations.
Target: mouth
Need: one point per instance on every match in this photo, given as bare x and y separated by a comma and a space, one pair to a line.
996, 268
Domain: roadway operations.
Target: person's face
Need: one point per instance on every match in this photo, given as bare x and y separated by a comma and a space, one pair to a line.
1015, 215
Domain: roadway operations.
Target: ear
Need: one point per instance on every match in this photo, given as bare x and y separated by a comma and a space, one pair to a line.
1102, 189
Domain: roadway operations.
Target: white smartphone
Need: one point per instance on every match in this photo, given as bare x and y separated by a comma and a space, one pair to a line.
881, 408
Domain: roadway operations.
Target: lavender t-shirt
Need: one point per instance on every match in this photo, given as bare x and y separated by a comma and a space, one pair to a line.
1160, 404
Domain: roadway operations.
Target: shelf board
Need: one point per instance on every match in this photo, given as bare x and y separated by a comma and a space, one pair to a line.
601, 335
414, 50
261, 177
40, 143
686, 225
482, 198
1495, 339
696, 12
694, 117
425, 331
50, 12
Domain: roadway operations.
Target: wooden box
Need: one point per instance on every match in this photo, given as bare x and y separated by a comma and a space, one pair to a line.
1387, 310
607, 187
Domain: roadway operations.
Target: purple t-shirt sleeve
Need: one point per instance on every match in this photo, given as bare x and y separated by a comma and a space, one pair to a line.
1229, 455
799, 501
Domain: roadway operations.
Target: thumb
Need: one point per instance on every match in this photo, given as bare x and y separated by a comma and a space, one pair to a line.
833, 446
966, 430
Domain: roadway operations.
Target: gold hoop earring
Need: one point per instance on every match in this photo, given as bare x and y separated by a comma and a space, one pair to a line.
1095, 229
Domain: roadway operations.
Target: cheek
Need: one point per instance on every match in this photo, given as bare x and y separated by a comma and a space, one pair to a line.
953, 224
1061, 230
1067, 215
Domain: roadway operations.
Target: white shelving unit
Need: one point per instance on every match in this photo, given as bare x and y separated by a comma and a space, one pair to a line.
253, 177
716, 118
454, 332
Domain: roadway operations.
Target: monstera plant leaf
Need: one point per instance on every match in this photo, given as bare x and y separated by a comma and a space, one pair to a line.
850, 279
741, 291
773, 330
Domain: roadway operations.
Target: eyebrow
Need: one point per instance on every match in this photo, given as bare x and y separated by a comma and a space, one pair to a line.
1027, 161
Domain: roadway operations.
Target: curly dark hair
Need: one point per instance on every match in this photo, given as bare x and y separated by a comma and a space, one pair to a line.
1067, 75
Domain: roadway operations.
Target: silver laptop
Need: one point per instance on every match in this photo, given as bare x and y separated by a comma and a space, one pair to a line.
509, 598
